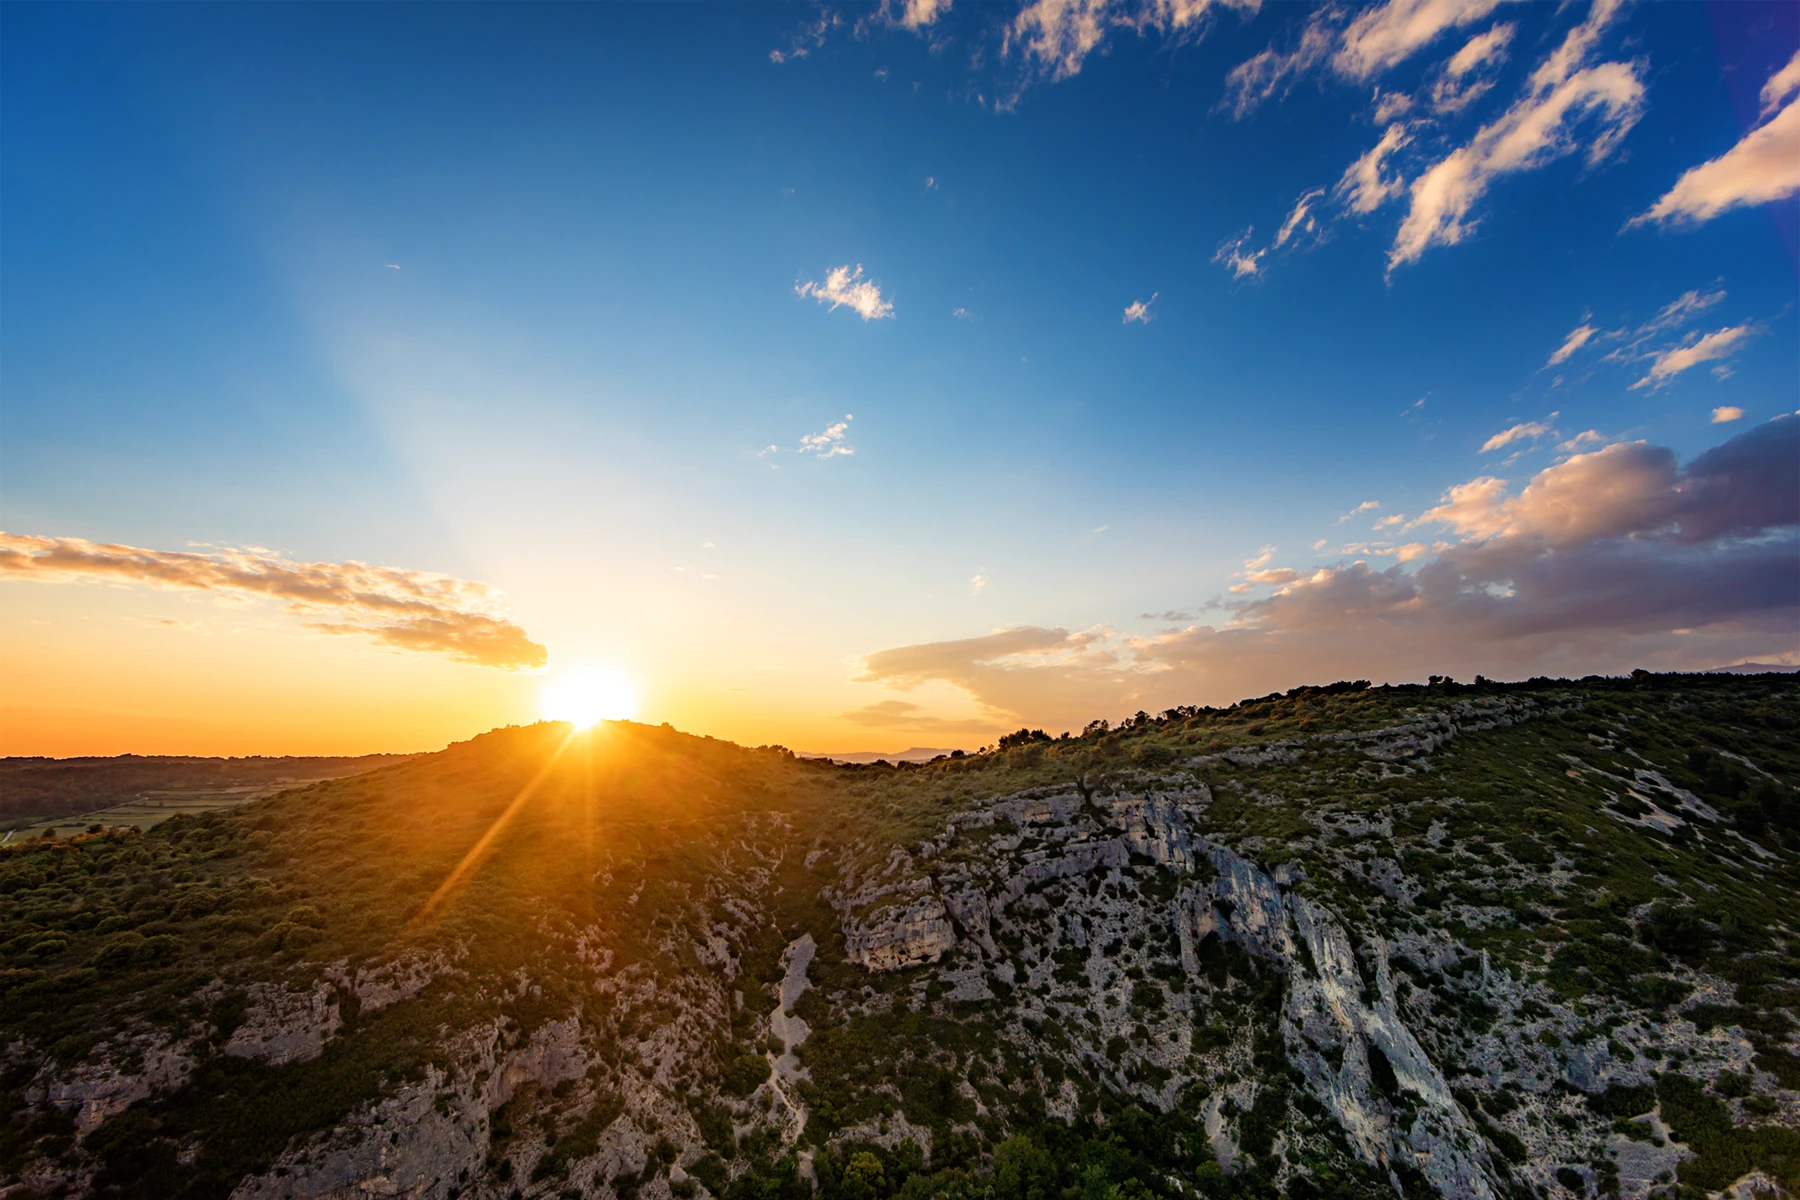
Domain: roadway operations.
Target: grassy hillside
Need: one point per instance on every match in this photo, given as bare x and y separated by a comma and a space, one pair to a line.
1514, 940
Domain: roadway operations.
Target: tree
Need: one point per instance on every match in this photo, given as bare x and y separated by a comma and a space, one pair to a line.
1023, 1170
863, 1178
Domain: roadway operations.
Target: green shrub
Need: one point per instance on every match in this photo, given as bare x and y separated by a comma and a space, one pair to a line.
157, 951
119, 950
305, 914
744, 1072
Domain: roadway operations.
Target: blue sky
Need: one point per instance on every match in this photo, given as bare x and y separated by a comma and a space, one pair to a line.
517, 295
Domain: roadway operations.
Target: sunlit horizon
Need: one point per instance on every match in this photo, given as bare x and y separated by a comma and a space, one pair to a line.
585, 696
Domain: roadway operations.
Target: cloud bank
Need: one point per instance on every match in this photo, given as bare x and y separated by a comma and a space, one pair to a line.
410, 610
1608, 560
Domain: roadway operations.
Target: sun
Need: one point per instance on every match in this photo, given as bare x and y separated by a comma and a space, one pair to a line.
584, 695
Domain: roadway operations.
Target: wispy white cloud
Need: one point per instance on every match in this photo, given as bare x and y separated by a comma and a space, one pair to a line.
829, 443
845, 287
1389, 34
962, 314
1363, 187
1714, 347
1359, 510
1301, 220
1538, 128
1236, 254
1480, 51
1582, 440
1727, 413
409, 610
1568, 104
1242, 259
1578, 337
1391, 105
1059, 34
1388, 522
1464, 79
1379, 38
1764, 166
1269, 576
1056, 36
1525, 429
978, 584
1139, 310
917, 14
809, 37
1401, 552
1677, 311
1260, 78
1781, 85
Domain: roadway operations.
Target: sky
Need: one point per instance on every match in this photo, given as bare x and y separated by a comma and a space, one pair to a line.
858, 378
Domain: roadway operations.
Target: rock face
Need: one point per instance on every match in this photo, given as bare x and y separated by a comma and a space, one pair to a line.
1333, 1013
1251, 903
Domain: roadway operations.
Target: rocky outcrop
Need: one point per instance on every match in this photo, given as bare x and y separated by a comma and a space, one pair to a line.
968, 907
403, 978
96, 1089
1433, 729
1078, 859
1155, 825
1251, 906
404, 1146
426, 1140
283, 1026
901, 935
1278, 754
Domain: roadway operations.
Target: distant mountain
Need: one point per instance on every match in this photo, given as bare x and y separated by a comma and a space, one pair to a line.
1526, 941
1754, 668
863, 757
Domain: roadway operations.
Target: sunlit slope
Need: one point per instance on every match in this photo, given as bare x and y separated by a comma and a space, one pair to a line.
1524, 940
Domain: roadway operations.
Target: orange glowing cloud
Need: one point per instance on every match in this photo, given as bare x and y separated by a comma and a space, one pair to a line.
410, 610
